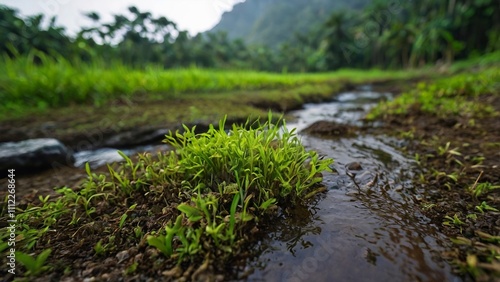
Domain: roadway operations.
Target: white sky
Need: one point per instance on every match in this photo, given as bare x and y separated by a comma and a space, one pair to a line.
191, 15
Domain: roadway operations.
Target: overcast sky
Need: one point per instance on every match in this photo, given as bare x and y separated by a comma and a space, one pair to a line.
191, 15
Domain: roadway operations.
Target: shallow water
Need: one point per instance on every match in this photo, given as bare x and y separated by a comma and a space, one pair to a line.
347, 107
102, 156
365, 227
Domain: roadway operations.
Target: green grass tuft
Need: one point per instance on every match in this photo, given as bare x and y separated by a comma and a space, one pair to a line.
200, 199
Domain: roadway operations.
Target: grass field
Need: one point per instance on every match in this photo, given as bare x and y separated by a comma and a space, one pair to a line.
56, 83
457, 95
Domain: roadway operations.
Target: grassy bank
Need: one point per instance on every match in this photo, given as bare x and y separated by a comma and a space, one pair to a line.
91, 102
452, 125
56, 83
75, 124
458, 96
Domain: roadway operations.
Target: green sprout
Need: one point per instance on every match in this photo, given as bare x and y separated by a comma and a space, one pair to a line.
34, 265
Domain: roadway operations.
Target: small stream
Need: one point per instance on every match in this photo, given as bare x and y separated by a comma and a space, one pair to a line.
364, 228
102, 156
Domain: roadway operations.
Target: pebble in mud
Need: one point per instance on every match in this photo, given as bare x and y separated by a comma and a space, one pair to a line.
354, 166
123, 255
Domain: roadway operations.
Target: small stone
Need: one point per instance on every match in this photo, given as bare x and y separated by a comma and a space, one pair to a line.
354, 166
88, 272
174, 272
123, 255
34, 154
138, 258
328, 128
254, 230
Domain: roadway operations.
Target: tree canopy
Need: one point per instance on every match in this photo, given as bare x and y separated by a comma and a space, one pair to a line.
354, 34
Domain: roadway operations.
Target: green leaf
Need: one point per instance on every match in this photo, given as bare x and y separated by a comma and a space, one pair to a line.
3, 246
42, 257
192, 213
158, 243
33, 265
87, 169
28, 261
267, 203
122, 220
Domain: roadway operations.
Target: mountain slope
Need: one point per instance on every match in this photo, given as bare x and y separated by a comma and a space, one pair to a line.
271, 22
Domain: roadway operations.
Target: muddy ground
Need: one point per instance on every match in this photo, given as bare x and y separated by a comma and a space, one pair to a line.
478, 161
455, 155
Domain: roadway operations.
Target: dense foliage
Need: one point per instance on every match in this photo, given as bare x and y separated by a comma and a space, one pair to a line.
136, 39
367, 34
272, 23
413, 33
382, 33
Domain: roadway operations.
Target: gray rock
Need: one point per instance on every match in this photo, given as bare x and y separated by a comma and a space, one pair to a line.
34, 154
137, 137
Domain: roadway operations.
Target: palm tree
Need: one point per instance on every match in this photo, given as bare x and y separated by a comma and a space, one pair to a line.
339, 39
397, 42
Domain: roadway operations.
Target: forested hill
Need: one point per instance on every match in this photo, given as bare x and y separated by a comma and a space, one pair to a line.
271, 22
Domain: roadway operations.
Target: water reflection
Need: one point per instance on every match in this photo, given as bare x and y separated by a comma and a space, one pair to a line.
366, 227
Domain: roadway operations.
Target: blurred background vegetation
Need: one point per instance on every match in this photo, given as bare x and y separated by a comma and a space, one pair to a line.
277, 36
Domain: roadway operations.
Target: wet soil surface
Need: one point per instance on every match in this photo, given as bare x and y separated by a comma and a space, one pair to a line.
370, 224
468, 150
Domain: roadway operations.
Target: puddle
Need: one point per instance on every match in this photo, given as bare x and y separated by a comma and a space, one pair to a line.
365, 227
